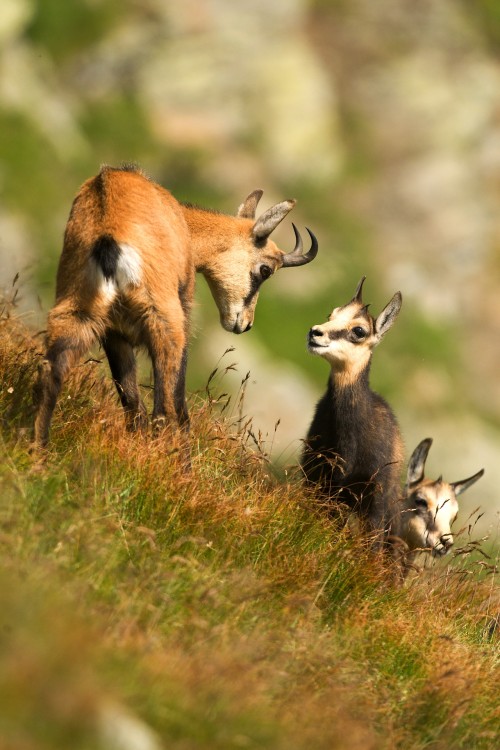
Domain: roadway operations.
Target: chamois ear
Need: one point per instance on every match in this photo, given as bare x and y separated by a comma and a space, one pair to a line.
269, 220
249, 206
416, 464
464, 484
388, 315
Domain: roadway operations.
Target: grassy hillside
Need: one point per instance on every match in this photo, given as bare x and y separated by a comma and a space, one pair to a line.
217, 611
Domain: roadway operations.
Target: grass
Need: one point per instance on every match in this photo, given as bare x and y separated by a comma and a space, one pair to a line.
221, 610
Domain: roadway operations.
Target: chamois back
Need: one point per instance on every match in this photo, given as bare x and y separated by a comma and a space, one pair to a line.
126, 279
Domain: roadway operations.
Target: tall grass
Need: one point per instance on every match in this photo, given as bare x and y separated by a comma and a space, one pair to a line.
222, 610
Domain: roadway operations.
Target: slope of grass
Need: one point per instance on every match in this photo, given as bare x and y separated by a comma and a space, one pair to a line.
222, 610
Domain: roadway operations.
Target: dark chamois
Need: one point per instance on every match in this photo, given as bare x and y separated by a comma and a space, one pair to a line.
353, 451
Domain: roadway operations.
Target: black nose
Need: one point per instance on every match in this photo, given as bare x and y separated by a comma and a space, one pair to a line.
314, 332
249, 325
446, 541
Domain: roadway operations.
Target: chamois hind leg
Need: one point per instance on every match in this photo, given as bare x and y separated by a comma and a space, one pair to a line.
167, 342
69, 336
123, 368
180, 393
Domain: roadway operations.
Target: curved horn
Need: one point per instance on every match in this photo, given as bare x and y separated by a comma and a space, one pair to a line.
269, 220
358, 294
296, 258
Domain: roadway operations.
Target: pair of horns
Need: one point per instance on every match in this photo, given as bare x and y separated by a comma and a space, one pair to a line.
267, 223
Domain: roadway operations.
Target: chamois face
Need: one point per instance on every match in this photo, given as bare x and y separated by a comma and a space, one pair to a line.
430, 511
236, 277
248, 258
348, 337
430, 507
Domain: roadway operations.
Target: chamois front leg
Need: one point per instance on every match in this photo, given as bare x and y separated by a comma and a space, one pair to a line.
123, 368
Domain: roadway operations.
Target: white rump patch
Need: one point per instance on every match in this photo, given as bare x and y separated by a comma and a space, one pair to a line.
105, 287
129, 271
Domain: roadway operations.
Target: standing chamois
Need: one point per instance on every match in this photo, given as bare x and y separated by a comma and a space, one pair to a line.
353, 451
126, 279
428, 508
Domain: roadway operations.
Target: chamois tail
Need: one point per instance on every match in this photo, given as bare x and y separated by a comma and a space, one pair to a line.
106, 254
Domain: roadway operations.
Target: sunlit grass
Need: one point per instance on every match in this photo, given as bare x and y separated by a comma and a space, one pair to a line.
223, 609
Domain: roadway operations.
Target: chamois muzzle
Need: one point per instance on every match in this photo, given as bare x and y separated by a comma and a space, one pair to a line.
313, 336
443, 546
296, 258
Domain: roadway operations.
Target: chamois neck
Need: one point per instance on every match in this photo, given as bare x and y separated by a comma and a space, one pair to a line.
211, 233
345, 381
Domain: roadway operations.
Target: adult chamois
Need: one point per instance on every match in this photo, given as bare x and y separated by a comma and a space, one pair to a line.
126, 279
353, 451
427, 509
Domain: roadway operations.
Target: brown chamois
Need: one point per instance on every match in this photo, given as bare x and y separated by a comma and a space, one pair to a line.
126, 279
353, 451
428, 508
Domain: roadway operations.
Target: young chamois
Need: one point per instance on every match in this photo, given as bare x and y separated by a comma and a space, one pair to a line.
126, 279
428, 508
353, 451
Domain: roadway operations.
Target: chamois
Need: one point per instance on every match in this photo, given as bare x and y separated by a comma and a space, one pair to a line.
126, 279
428, 508
353, 451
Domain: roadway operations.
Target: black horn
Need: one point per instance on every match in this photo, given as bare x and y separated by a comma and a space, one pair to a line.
296, 257
358, 294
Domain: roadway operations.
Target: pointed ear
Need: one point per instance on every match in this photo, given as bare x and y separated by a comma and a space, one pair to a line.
388, 315
269, 220
460, 487
249, 206
416, 464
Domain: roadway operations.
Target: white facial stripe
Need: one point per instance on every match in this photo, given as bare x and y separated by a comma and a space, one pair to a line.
341, 317
336, 346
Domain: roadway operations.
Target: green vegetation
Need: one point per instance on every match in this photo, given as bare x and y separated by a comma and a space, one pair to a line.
67, 29
223, 609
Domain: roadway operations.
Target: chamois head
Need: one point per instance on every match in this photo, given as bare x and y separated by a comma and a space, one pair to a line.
430, 507
235, 276
350, 334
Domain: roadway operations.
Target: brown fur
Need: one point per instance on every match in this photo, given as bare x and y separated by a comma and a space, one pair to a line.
126, 278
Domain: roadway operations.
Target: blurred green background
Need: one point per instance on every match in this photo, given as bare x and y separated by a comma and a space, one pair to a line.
382, 119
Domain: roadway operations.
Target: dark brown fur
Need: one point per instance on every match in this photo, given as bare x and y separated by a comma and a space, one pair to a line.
353, 452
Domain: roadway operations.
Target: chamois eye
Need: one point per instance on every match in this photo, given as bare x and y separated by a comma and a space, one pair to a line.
265, 272
359, 332
421, 502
